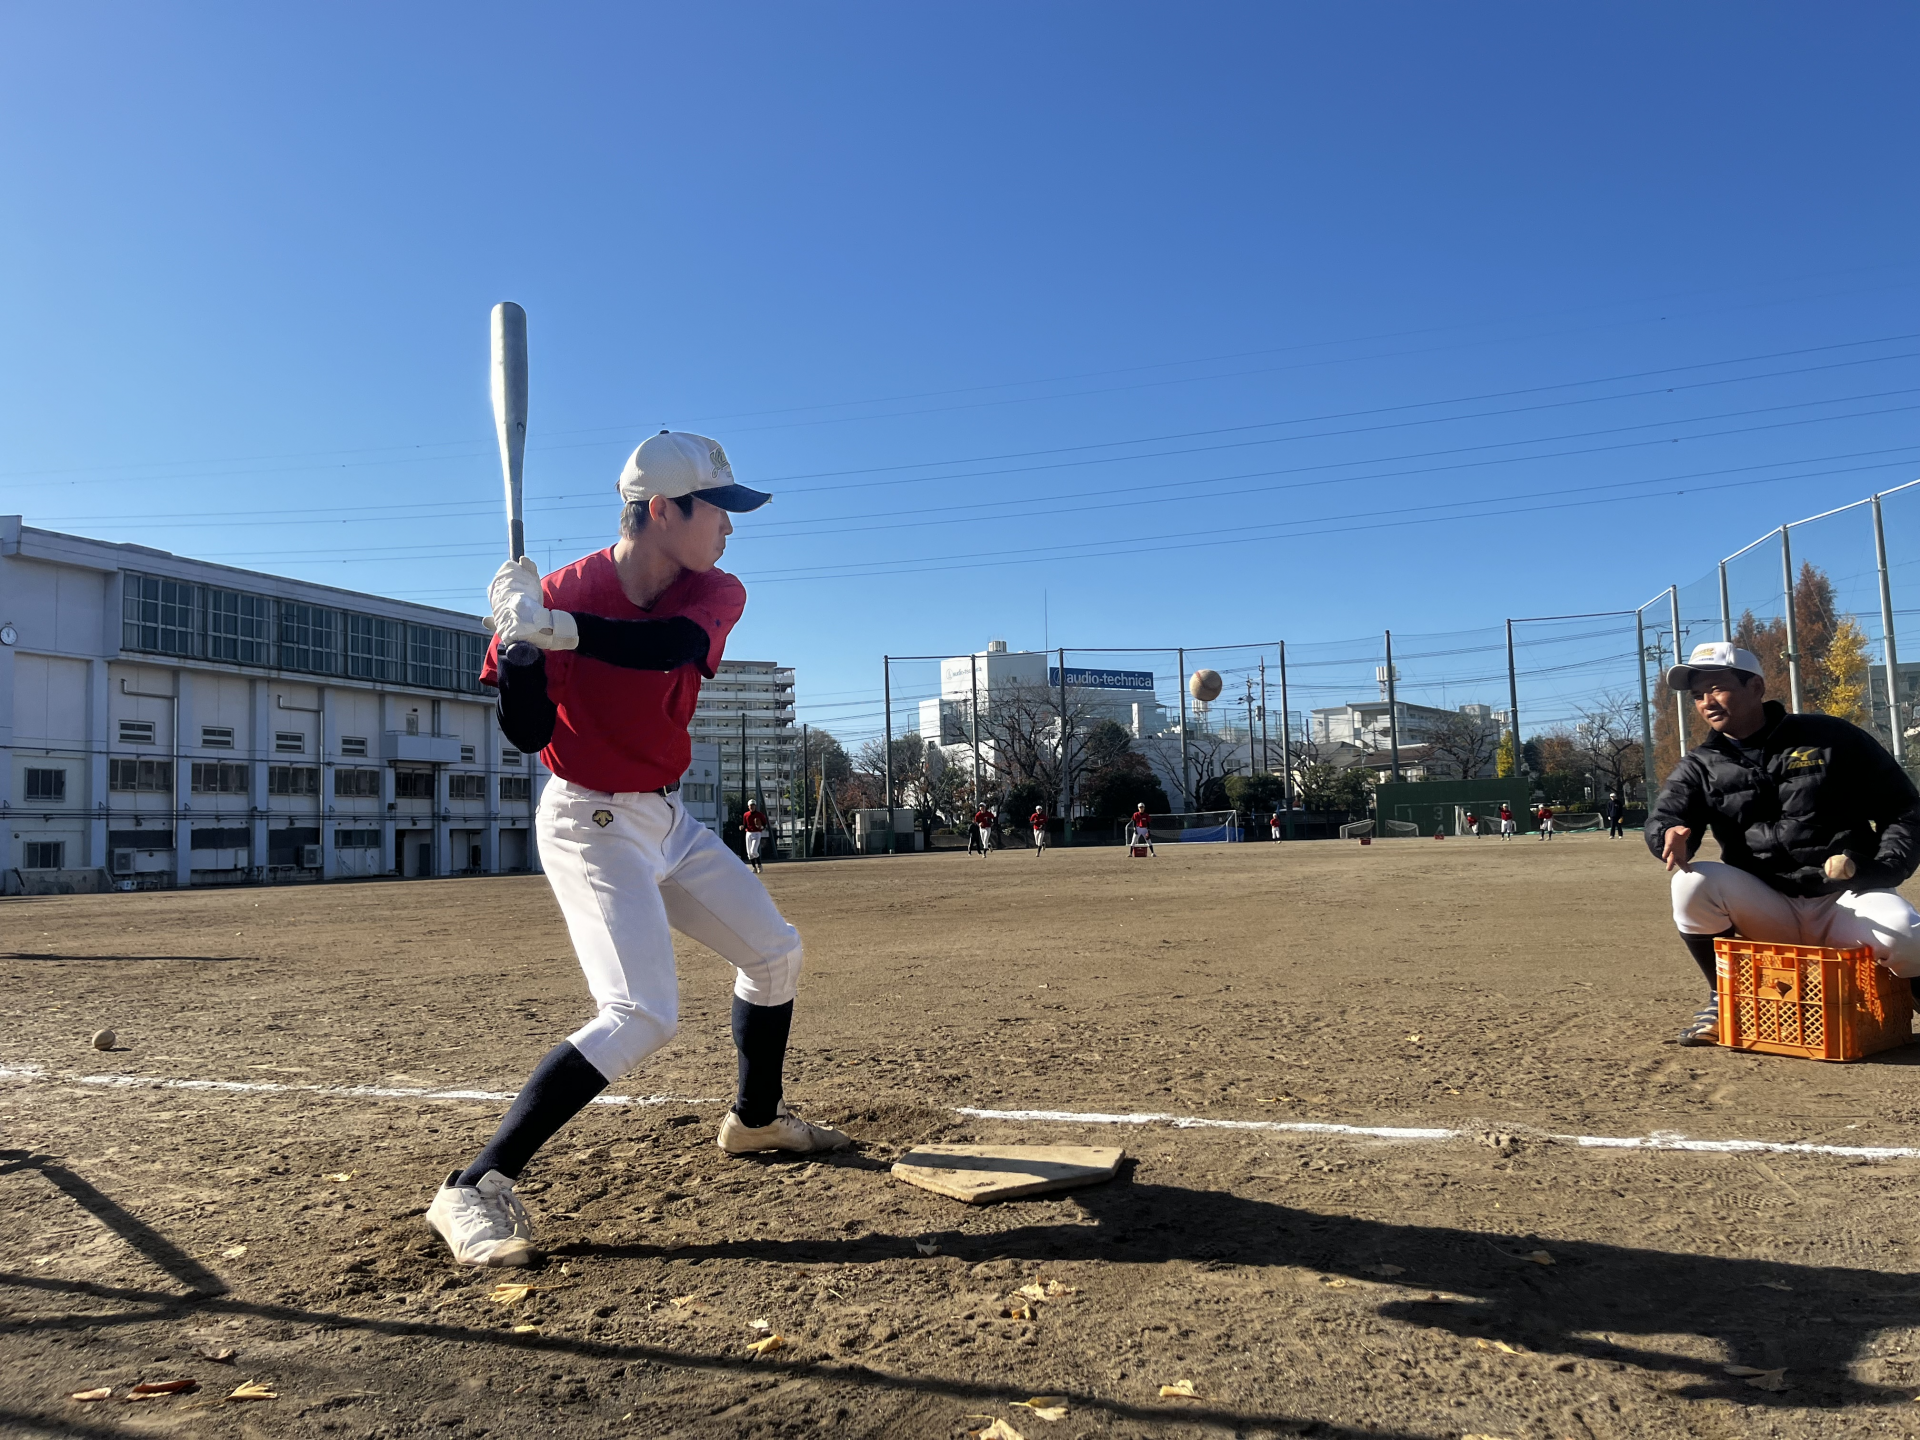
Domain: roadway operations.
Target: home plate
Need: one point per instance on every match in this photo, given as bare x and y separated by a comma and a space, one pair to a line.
980, 1174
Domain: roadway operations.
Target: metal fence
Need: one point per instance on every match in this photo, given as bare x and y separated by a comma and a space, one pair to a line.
1820, 600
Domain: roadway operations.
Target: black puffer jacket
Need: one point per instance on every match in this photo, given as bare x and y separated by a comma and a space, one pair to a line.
1827, 788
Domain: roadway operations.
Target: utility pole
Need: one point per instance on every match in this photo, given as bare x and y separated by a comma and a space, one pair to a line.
1066, 786
1186, 788
1266, 759
1646, 711
1726, 608
974, 716
806, 795
1250, 757
743, 769
1513, 710
886, 700
1679, 658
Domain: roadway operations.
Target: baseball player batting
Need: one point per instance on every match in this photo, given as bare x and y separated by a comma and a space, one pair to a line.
598, 667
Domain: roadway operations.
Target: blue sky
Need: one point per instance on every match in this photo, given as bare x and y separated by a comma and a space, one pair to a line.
1104, 326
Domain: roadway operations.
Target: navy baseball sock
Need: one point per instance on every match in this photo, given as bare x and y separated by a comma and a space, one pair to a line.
760, 1035
1700, 947
560, 1087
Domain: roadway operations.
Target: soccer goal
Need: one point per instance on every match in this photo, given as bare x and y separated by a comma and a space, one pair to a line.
1577, 821
1354, 829
1402, 829
1197, 827
1461, 827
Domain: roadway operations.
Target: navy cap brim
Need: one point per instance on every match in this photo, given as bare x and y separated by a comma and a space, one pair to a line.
737, 498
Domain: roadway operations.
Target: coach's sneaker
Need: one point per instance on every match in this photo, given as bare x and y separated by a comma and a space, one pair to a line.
483, 1224
786, 1131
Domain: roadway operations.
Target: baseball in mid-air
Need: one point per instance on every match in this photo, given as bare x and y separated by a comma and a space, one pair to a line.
1204, 685
104, 1039
1840, 867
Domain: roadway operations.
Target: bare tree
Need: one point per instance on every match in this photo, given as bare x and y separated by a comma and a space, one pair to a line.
1022, 728
1466, 743
1607, 739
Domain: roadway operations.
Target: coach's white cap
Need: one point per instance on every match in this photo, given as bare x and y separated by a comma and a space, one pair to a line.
675, 463
1714, 655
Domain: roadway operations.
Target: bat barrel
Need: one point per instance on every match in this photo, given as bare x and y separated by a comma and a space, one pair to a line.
510, 411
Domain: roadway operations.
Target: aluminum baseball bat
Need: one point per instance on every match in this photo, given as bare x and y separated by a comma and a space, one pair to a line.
510, 411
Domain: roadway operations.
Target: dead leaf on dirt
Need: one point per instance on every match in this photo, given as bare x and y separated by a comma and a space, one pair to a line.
1502, 1346
1179, 1390
253, 1390
102, 1393
1740, 1372
681, 1302
767, 1346
998, 1430
1056, 1289
1032, 1292
1047, 1407
1775, 1380
1388, 1270
759, 1325
219, 1355
924, 1248
526, 1330
507, 1294
1414, 1038
341, 1177
233, 1252
1332, 1282
1016, 1312
155, 1389
1540, 1257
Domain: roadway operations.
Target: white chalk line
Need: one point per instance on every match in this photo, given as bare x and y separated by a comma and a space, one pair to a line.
1658, 1140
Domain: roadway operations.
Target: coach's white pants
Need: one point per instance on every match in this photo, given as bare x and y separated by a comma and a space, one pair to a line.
1714, 897
630, 869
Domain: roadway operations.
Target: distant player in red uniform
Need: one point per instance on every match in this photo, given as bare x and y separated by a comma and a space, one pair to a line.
1142, 828
1545, 816
1473, 825
1273, 825
753, 826
1506, 821
1039, 822
983, 827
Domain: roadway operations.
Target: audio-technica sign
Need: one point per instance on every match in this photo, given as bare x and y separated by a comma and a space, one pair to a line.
1103, 679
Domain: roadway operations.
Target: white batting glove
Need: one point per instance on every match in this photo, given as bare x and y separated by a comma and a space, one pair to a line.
520, 611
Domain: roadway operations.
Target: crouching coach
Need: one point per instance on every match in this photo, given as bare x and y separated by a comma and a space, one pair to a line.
1816, 824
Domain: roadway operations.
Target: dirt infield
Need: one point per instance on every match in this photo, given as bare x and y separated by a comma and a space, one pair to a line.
1501, 1279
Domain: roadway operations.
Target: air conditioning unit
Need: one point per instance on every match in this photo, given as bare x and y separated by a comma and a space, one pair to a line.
122, 862
310, 857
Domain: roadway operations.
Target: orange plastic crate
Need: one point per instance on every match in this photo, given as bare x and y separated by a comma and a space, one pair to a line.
1809, 1001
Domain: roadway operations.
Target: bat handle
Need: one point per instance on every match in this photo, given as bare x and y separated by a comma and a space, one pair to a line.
517, 537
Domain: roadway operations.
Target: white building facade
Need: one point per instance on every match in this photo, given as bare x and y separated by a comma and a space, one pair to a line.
1123, 696
170, 722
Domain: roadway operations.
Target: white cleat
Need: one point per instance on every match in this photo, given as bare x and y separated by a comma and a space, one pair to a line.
786, 1131
483, 1224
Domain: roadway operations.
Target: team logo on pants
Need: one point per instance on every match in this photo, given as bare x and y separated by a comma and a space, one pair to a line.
603, 818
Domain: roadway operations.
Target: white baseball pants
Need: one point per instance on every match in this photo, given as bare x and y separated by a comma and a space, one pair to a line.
755, 838
630, 869
1714, 897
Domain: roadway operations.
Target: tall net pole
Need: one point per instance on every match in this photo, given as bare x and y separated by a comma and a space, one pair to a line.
1266, 760
1679, 699
1793, 627
1286, 742
1066, 787
1895, 732
1186, 788
1513, 710
1393, 712
886, 701
1726, 607
1646, 705
973, 715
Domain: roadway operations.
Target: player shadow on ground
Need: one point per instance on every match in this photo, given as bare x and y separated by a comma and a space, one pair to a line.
1815, 1321
207, 1295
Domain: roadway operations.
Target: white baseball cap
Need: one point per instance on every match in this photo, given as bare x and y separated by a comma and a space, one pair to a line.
675, 463
1714, 655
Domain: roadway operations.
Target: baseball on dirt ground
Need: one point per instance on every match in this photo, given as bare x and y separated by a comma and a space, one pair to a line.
103, 1039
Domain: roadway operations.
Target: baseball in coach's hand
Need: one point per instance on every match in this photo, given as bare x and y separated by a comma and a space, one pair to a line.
1840, 867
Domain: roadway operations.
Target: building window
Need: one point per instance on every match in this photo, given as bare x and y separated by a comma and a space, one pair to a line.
413, 784
289, 742
510, 757
153, 776
430, 657
353, 745
136, 732
356, 839
46, 784
210, 778
238, 626
513, 787
697, 794
413, 722
466, 787
466, 754
216, 737
373, 647
309, 638
293, 780
43, 855
356, 784
158, 616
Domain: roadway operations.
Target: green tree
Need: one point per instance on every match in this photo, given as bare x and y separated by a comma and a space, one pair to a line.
1114, 777
1256, 796
1326, 788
